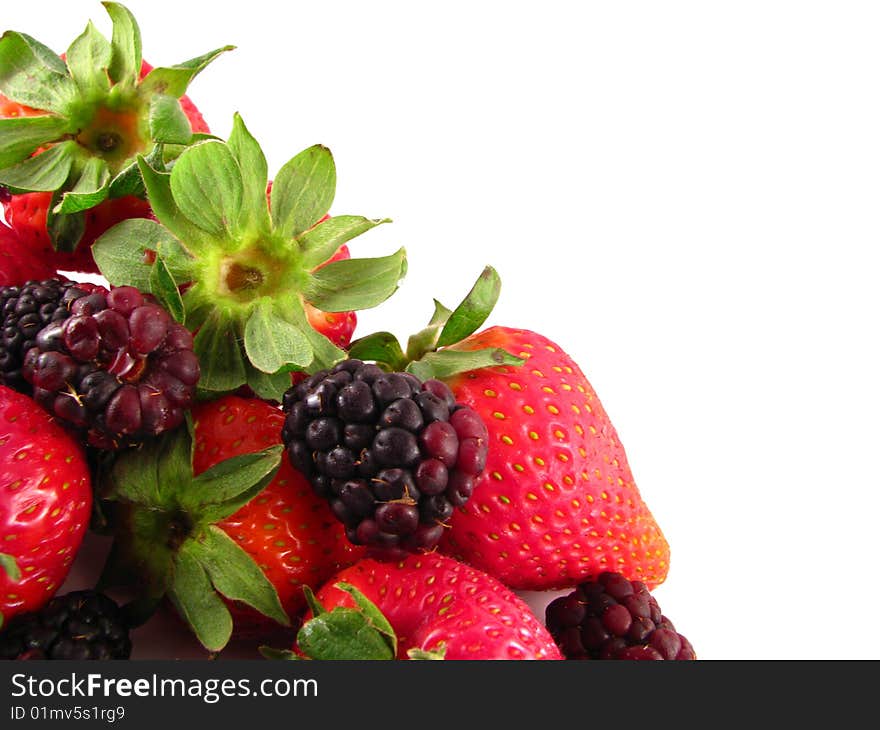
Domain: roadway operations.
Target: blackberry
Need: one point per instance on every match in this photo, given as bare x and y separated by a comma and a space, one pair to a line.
393, 455
614, 618
78, 625
112, 365
24, 311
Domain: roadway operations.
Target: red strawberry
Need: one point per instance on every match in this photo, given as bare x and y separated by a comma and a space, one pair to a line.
18, 263
45, 503
286, 529
433, 601
26, 214
557, 502
233, 536
89, 114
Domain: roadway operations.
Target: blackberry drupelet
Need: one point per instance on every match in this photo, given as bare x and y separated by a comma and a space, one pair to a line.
112, 365
78, 625
393, 455
24, 311
614, 618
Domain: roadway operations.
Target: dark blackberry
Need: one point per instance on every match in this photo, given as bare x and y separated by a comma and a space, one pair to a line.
614, 618
24, 311
78, 625
111, 364
393, 455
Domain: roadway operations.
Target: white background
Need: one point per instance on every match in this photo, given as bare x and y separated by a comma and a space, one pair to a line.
683, 195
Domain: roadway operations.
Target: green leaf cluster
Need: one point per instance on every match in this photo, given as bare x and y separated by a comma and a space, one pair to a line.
94, 115
430, 353
166, 532
251, 261
359, 633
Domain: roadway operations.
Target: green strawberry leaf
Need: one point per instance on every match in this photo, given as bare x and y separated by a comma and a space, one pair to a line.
320, 243
88, 59
303, 191
343, 634
287, 655
426, 340
268, 386
164, 288
65, 231
158, 187
172, 461
217, 347
45, 172
21, 136
373, 614
90, 189
34, 75
174, 80
129, 181
134, 478
355, 283
473, 310
271, 342
125, 63
211, 513
421, 654
125, 254
255, 178
235, 574
196, 601
379, 347
8, 564
168, 122
326, 354
312, 602
441, 315
446, 363
230, 478
207, 186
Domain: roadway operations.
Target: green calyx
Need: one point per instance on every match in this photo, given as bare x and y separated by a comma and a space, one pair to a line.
249, 261
96, 116
431, 352
358, 633
167, 539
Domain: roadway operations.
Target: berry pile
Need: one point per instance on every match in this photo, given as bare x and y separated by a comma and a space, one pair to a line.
614, 618
112, 364
78, 625
261, 471
393, 455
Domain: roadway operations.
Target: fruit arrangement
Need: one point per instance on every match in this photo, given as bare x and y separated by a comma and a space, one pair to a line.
259, 470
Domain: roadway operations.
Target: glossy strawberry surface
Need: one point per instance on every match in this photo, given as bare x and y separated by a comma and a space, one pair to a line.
45, 502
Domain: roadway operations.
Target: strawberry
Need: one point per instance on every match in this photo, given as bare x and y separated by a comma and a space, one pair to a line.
18, 263
45, 504
289, 532
439, 606
234, 536
252, 267
27, 214
556, 502
72, 127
